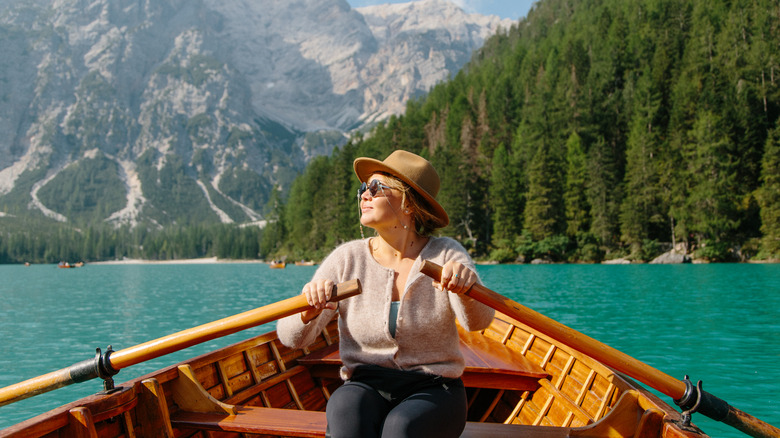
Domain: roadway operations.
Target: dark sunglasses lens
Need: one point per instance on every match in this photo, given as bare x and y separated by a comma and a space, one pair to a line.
373, 187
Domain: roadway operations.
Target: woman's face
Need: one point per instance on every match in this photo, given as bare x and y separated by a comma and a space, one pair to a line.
383, 209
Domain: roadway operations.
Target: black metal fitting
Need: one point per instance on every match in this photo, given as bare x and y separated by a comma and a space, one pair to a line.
105, 370
100, 366
695, 399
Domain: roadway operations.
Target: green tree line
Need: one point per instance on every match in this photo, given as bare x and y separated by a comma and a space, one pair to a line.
592, 129
62, 243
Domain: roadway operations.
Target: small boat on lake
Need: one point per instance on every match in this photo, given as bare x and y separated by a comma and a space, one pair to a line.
67, 265
305, 263
519, 381
277, 264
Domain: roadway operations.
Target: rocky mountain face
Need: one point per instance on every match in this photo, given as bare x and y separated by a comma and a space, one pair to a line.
184, 111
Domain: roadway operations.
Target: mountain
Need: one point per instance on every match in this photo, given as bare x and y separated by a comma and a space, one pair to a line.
182, 112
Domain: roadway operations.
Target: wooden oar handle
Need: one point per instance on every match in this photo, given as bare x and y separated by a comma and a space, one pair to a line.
116, 360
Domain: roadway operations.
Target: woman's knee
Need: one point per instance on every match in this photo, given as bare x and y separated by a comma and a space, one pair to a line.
355, 410
437, 412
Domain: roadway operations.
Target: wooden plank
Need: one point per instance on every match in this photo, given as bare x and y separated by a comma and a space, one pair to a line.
152, 411
498, 430
80, 424
295, 423
255, 420
189, 395
485, 354
325, 356
489, 364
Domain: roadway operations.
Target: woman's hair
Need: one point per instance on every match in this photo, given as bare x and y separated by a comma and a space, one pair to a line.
425, 221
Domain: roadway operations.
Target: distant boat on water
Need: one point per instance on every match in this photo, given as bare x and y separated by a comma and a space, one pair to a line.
277, 264
70, 265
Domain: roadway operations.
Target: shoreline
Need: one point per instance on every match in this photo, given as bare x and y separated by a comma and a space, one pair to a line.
200, 261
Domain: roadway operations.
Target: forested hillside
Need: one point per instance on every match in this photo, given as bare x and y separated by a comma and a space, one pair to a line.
593, 129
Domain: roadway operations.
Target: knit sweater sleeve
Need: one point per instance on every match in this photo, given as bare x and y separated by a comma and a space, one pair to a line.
292, 332
471, 314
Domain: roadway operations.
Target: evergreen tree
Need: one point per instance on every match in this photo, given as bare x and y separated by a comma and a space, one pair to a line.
713, 198
455, 196
505, 201
575, 200
603, 191
641, 206
544, 209
769, 195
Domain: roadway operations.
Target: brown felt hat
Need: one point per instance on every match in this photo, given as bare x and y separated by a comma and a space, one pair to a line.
411, 169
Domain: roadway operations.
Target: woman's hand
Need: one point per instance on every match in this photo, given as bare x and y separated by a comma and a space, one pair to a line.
456, 278
317, 293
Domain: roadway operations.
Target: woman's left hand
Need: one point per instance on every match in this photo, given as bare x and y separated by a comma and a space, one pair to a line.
456, 278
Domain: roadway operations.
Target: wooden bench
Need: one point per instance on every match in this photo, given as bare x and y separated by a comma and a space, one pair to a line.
489, 364
294, 423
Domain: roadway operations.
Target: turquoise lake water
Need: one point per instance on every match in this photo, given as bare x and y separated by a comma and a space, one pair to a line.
717, 323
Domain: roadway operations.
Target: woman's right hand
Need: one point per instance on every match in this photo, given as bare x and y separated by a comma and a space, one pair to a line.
317, 292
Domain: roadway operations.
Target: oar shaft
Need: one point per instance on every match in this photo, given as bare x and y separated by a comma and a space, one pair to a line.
35, 386
750, 425
223, 327
90, 369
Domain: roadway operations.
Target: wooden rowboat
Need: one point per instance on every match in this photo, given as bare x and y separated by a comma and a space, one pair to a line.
277, 264
519, 380
519, 383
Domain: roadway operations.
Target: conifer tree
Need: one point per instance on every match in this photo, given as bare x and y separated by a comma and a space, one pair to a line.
575, 200
769, 195
712, 165
455, 194
641, 205
505, 198
603, 190
544, 210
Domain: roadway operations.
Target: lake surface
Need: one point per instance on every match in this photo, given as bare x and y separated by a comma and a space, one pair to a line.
717, 323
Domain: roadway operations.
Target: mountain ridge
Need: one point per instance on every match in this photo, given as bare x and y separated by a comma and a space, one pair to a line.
203, 106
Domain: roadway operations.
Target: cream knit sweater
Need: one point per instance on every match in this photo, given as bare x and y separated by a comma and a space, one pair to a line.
426, 337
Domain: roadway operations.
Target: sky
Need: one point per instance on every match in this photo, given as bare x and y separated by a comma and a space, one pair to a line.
514, 9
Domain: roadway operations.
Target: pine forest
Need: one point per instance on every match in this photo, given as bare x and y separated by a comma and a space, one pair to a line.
590, 130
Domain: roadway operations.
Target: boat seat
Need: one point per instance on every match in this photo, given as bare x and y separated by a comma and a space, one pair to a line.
295, 423
489, 364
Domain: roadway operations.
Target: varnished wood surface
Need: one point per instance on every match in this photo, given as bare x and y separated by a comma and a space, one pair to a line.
485, 355
313, 424
489, 363
256, 420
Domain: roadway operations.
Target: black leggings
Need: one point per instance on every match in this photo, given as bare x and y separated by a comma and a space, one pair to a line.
357, 410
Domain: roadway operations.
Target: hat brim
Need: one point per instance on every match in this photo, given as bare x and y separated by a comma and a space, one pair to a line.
365, 167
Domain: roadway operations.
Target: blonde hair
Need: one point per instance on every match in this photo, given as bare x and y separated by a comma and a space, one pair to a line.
425, 221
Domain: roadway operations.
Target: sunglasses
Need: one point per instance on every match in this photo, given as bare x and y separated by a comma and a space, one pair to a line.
373, 188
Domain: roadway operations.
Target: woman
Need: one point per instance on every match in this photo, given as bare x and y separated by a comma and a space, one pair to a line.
398, 338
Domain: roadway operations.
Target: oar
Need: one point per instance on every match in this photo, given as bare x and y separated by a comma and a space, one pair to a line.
108, 364
683, 392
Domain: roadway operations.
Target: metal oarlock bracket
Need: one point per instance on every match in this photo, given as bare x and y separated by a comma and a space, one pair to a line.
697, 400
692, 394
104, 369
